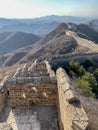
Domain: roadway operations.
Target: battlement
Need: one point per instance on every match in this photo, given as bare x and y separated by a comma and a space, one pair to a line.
24, 88
38, 73
33, 80
71, 110
36, 69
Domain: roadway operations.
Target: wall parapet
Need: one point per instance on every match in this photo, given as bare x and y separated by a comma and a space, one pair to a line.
4, 82
73, 116
35, 80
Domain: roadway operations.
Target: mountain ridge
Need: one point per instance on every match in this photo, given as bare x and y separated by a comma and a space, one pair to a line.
58, 43
16, 40
39, 26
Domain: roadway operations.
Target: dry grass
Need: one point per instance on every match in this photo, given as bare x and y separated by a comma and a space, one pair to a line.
8, 70
91, 108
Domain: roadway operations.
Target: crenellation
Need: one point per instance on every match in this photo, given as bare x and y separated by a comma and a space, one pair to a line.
39, 69
34, 80
25, 70
4, 81
50, 71
32, 66
18, 73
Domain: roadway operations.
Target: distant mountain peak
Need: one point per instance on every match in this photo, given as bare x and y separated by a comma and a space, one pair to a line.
62, 26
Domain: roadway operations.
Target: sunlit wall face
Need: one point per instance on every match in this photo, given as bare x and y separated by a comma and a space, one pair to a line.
38, 8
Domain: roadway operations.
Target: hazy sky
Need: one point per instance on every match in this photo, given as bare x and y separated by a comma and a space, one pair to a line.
38, 8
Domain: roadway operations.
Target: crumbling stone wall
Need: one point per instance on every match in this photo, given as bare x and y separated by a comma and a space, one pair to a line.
3, 93
30, 86
72, 114
37, 85
38, 92
39, 69
2, 99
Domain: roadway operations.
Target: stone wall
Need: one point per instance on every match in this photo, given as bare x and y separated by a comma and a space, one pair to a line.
36, 69
73, 55
81, 57
29, 86
72, 114
2, 100
31, 94
3, 93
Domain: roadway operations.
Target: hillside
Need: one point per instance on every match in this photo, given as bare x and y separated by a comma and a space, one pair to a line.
58, 44
15, 40
56, 47
94, 24
85, 30
65, 41
87, 44
57, 31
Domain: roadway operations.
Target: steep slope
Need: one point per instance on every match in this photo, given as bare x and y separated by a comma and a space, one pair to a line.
14, 58
60, 29
83, 43
94, 24
58, 46
16, 40
4, 35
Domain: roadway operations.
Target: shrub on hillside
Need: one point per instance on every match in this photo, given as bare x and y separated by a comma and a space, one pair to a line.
77, 68
88, 63
87, 84
84, 88
96, 74
91, 79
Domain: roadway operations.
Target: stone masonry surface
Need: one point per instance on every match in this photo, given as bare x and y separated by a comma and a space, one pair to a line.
73, 116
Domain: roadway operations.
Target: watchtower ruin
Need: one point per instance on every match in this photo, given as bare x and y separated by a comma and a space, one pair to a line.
37, 99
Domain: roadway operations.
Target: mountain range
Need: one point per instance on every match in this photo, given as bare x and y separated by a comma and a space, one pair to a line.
39, 26
65, 40
10, 41
94, 24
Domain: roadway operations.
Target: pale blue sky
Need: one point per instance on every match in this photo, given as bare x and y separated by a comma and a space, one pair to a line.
38, 8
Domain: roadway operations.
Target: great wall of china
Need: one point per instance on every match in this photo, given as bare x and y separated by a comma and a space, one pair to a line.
36, 98
76, 55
